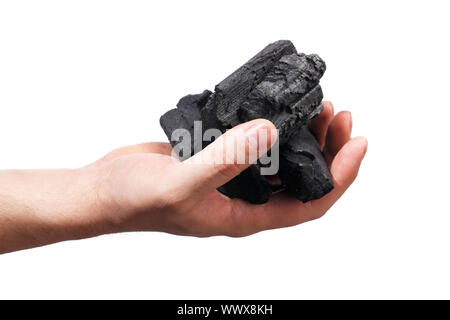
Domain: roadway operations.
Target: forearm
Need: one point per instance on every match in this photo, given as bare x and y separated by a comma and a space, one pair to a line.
39, 207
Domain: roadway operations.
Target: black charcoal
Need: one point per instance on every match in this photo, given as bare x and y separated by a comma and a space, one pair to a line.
303, 168
233, 90
277, 84
279, 97
183, 117
249, 186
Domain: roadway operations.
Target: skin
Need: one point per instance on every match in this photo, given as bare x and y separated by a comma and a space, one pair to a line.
144, 188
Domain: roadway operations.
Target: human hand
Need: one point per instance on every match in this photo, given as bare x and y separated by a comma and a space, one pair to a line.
144, 188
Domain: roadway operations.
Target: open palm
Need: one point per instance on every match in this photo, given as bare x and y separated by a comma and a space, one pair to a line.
144, 188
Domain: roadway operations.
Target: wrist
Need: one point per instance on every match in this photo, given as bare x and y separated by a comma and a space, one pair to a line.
91, 207
68, 204
39, 207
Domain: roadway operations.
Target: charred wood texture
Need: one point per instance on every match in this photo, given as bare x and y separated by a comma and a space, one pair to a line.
277, 84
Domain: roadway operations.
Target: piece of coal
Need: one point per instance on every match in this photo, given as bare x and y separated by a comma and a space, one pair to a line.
303, 168
279, 97
191, 105
277, 84
249, 186
183, 117
233, 90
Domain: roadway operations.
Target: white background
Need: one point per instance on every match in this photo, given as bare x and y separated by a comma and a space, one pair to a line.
80, 78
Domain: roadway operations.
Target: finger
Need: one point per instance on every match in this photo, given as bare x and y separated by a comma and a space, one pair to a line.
283, 210
319, 125
226, 157
338, 134
344, 170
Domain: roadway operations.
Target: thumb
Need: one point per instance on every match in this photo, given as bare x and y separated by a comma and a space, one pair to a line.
227, 156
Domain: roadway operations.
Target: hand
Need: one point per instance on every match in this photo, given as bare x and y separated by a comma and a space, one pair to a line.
144, 188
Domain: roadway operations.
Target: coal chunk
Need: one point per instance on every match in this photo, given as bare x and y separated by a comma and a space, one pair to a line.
233, 90
191, 105
303, 168
279, 97
249, 186
183, 117
278, 84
